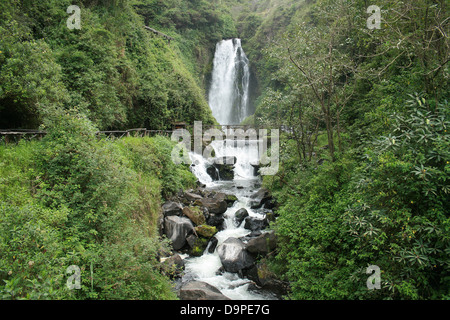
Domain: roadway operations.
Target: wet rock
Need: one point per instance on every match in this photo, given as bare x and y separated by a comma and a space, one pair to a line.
239, 216
212, 244
173, 266
171, 208
226, 172
259, 198
234, 256
198, 290
270, 215
213, 172
215, 206
254, 234
216, 220
255, 224
206, 231
267, 280
195, 214
228, 198
201, 185
177, 229
263, 244
191, 240
277, 287
222, 169
190, 196
198, 245
270, 204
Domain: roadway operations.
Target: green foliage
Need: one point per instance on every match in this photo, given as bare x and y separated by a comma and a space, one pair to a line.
387, 206
112, 70
75, 199
401, 219
384, 201
30, 80
153, 155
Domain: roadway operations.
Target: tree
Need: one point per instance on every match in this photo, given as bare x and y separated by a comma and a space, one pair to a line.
319, 51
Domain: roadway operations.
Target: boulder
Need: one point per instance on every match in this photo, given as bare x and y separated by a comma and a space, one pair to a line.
171, 208
229, 198
195, 214
198, 290
270, 203
212, 244
267, 280
213, 172
239, 216
259, 198
233, 255
206, 231
173, 266
216, 220
215, 206
255, 224
263, 244
190, 196
256, 168
226, 171
177, 229
222, 168
270, 215
198, 245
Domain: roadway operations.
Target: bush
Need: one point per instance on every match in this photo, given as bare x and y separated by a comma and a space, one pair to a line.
88, 202
387, 207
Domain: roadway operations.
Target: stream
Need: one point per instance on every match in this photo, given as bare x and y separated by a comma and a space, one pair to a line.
229, 102
207, 268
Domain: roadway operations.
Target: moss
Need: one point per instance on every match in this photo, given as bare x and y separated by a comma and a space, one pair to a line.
195, 214
199, 247
206, 231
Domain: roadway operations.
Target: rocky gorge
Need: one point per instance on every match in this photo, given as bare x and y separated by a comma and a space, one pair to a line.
221, 238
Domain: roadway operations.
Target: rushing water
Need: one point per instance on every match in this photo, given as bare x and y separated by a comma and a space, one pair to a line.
205, 268
228, 99
229, 91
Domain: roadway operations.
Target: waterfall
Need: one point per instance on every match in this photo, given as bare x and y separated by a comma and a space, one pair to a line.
229, 91
229, 102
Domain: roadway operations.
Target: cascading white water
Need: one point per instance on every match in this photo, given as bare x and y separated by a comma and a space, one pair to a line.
246, 153
228, 99
229, 91
206, 267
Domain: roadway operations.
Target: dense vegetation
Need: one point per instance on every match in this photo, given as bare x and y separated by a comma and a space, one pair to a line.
74, 199
363, 174
364, 177
113, 70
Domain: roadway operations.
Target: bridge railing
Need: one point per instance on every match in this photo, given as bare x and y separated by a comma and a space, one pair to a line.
14, 136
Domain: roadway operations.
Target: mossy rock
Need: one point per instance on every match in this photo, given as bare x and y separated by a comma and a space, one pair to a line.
195, 214
230, 199
199, 247
206, 231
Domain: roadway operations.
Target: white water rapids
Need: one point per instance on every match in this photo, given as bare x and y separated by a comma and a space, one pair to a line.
228, 100
205, 268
